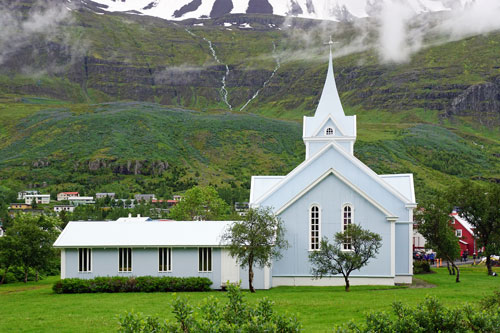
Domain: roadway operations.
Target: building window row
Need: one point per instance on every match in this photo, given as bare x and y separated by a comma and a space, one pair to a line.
164, 259
315, 225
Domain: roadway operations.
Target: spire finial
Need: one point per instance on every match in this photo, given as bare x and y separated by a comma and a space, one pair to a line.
330, 44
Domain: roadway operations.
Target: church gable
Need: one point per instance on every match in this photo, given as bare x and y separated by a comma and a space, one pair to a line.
351, 169
329, 129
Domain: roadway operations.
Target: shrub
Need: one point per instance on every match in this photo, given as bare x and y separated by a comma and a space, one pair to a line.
430, 316
214, 316
16, 274
118, 284
421, 267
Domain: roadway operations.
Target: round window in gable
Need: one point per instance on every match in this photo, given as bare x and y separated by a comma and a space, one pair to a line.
330, 131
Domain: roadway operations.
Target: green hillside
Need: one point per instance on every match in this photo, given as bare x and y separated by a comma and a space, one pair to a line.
132, 104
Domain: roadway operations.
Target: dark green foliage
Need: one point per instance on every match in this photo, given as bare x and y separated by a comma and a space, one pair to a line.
214, 316
421, 267
332, 259
430, 316
256, 240
131, 284
491, 302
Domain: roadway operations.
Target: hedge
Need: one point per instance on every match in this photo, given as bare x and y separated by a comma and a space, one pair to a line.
118, 284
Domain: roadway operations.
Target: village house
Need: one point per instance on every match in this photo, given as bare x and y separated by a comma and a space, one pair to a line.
20, 206
144, 197
110, 195
65, 208
465, 233
77, 201
63, 196
22, 194
326, 193
37, 198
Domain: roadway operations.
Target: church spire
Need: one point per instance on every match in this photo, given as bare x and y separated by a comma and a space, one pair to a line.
329, 102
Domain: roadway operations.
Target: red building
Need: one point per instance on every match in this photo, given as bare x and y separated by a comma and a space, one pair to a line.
465, 232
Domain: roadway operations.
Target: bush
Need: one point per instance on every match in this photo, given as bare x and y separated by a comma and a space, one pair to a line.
430, 316
118, 284
421, 267
16, 274
213, 316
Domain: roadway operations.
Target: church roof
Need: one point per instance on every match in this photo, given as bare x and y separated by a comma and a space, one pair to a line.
142, 234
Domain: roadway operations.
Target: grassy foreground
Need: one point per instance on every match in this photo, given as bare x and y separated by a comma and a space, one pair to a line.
34, 307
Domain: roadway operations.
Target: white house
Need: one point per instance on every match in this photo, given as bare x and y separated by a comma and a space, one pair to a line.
22, 194
135, 246
65, 208
76, 201
323, 195
111, 195
38, 198
65, 195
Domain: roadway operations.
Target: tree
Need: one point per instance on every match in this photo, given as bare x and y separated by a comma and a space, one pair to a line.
256, 240
200, 203
480, 206
433, 221
9, 254
31, 237
332, 259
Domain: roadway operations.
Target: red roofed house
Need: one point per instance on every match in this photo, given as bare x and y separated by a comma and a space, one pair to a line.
65, 195
465, 232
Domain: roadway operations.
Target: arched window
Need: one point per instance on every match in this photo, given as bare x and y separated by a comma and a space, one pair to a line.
314, 228
329, 131
346, 222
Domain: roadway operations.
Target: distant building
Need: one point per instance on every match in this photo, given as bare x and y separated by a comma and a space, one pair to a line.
65, 208
77, 201
178, 197
110, 195
1, 232
465, 232
37, 198
20, 206
21, 195
65, 195
241, 208
145, 197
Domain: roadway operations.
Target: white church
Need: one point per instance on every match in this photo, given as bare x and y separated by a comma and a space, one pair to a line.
323, 195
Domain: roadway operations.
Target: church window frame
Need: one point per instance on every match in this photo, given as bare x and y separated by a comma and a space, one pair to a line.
329, 131
314, 227
347, 219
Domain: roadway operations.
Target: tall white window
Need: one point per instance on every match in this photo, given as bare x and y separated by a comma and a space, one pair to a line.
124, 260
84, 260
329, 131
458, 232
314, 228
346, 222
164, 259
205, 259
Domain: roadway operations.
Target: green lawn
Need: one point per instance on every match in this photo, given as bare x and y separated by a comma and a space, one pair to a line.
33, 307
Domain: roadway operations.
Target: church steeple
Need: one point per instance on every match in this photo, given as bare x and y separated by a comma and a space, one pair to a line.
329, 123
329, 102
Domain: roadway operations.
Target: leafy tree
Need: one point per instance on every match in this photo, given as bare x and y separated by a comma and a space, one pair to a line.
29, 241
9, 254
433, 221
256, 240
332, 259
200, 203
480, 206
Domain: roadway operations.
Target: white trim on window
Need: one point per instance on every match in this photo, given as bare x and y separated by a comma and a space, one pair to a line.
314, 227
84, 260
164, 259
458, 233
347, 218
125, 261
205, 259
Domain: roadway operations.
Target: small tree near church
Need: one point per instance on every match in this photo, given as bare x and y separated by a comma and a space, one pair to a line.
333, 259
256, 240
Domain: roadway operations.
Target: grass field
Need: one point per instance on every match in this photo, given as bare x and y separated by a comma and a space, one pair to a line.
33, 307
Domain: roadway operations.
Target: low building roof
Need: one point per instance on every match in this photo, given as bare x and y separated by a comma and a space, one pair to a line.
142, 234
68, 193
